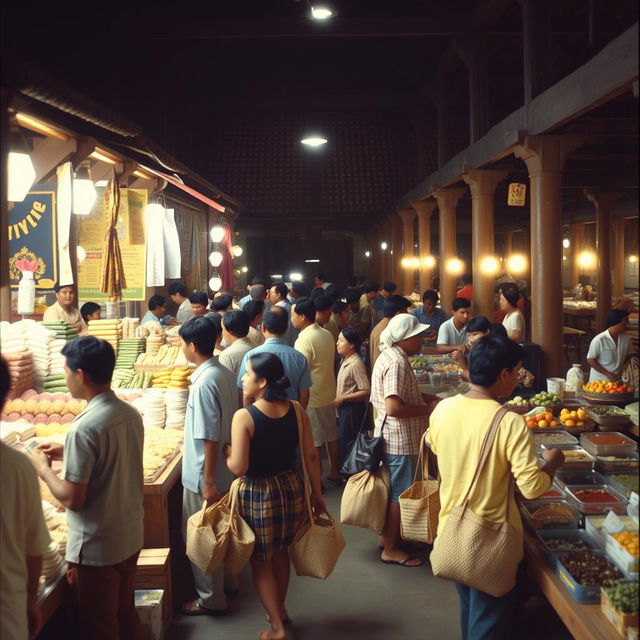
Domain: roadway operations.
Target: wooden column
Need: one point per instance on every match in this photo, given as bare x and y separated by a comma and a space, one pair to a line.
447, 201
603, 203
483, 186
407, 216
618, 257
395, 249
576, 234
424, 210
545, 157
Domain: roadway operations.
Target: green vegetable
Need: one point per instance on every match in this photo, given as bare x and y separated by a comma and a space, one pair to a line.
623, 596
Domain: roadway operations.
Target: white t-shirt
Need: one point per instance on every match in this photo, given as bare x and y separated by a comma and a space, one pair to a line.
514, 321
23, 533
610, 355
449, 335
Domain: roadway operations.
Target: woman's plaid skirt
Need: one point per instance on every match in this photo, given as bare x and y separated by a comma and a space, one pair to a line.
274, 509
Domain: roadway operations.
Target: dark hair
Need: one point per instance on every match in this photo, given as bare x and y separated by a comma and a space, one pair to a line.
338, 306
490, 355
430, 294
333, 291
253, 308
305, 307
616, 316
257, 292
57, 286
216, 319
316, 292
199, 297
511, 295
221, 302
236, 322
352, 336
299, 288
281, 289
95, 357
156, 301
257, 280
498, 329
393, 304
390, 287
320, 276
87, 309
370, 286
323, 303
352, 296
479, 323
460, 303
467, 278
267, 366
276, 321
5, 381
178, 288
201, 332
352, 282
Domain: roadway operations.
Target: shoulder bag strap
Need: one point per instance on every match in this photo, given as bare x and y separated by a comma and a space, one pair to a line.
305, 479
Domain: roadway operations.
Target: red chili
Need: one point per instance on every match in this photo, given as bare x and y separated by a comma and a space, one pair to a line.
595, 495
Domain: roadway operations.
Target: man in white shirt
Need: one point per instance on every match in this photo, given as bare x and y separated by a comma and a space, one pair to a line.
453, 333
608, 351
179, 295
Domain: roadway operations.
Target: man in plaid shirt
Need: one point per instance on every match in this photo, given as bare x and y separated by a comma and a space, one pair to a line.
402, 412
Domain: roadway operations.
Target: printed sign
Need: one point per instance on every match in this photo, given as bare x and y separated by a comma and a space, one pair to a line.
517, 194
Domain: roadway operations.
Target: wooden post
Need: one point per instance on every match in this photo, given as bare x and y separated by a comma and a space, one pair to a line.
424, 211
407, 216
618, 257
576, 234
5, 287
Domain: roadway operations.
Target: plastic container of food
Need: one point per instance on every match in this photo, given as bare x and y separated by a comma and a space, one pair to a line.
624, 483
555, 493
597, 499
594, 526
570, 568
576, 459
550, 514
608, 444
553, 438
556, 542
564, 478
608, 416
621, 557
609, 464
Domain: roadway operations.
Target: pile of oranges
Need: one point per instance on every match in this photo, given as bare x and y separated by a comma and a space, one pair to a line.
605, 386
575, 418
542, 420
629, 541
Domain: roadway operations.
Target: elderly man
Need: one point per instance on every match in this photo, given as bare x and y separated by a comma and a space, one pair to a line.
401, 419
64, 307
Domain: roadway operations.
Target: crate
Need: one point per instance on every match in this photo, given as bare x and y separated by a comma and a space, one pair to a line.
622, 558
154, 572
621, 621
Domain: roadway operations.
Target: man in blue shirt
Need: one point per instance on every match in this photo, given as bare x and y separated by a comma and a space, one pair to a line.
274, 326
213, 399
388, 289
156, 313
430, 314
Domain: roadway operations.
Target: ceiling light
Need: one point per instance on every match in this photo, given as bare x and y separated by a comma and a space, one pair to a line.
84, 192
367, 254
236, 250
276, 276
314, 141
383, 246
312, 260
454, 266
215, 283
21, 174
215, 259
295, 277
429, 262
586, 259
245, 269
319, 12
102, 183
516, 263
633, 259
103, 156
566, 243
217, 233
489, 265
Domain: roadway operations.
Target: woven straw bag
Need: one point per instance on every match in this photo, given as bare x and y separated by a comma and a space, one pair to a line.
318, 544
241, 537
420, 503
474, 551
365, 500
208, 535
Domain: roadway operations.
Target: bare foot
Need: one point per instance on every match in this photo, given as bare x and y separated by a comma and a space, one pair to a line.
270, 634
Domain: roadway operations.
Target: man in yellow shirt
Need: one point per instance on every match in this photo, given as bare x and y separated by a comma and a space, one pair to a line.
64, 309
457, 428
318, 347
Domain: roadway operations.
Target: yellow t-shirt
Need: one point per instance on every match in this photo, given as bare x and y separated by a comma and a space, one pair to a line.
457, 427
317, 346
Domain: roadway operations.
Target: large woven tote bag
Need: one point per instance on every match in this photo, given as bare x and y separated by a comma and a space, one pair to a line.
241, 537
208, 535
319, 542
365, 500
474, 551
420, 503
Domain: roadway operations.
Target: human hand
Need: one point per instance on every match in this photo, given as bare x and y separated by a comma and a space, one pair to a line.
553, 458
612, 376
338, 401
34, 617
52, 450
318, 504
210, 493
41, 462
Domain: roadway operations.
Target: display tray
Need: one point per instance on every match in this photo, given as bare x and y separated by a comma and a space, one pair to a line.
564, 478
577, 429
585, 463
617, 504
608, 444
161, 469
529, 508
618, 463
607, 398
570, 535
608, 421
581, 593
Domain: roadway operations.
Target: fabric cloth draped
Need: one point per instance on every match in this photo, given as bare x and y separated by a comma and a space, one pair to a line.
113, 280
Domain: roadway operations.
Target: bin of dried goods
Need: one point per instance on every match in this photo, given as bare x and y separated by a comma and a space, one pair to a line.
553, 438
546, 514
594, 500
558, 542
575, 458
608, 444
625, 483
610, 464
584, 572
608, 416
619, 603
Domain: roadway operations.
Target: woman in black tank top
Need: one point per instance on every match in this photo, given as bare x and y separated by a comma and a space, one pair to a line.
264, 443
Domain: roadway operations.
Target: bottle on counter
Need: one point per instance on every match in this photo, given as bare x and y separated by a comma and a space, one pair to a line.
574, 379
26, 293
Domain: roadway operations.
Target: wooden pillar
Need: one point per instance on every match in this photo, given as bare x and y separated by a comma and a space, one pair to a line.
618, 257
508, 244
545, 157
395, 249
603, 203
424, 210
407, 216
447, 202
483, 186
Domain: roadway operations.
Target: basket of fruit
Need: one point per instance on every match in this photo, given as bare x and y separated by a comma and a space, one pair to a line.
545, 399
576, 420
540, 419
518, 405
605, 391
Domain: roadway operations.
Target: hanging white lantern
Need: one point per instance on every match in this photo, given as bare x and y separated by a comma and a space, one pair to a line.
20, 172
236, 250
84, 192
155, 209
81, 254
215, 283
217, 233
215, 258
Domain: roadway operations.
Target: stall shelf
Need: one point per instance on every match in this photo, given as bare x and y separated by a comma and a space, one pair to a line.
156, 510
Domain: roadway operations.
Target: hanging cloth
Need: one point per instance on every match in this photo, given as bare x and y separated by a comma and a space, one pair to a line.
226, 268
113, 279
64, 191
172, 257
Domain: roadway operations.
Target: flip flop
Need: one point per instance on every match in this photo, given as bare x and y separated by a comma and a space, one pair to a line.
201, 611
404, 562
286, 621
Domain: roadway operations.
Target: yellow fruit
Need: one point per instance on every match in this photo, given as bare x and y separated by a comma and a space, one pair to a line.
569, 423
543, 423
579, 423
574, 414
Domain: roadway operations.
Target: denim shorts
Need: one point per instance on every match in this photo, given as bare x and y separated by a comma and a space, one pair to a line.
401, 470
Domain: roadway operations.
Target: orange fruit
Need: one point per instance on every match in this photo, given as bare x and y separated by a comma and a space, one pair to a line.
548, 416
543, 423
555, 423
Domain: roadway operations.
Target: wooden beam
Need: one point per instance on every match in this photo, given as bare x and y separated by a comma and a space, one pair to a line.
48, 153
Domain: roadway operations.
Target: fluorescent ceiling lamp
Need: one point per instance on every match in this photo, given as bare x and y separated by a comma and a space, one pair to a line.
33, 124
84, 192
295, 277
318, 12
276, 275
21, 173
314, 141
313, 260
103, 156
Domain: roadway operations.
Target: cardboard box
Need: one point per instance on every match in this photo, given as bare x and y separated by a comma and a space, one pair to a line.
149, 610
154, 572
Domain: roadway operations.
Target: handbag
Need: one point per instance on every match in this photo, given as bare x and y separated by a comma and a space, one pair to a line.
319, 542
365, 500
420, 503
207, 535
241, 537
474, 551
365, 453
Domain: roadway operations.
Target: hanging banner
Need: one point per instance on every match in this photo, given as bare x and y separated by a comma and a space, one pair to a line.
32, 230
131, 235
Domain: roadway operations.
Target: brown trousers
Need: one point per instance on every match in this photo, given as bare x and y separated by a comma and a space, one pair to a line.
105, 600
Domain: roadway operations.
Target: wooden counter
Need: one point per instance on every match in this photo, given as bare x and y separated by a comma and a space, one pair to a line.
51, 598
156, 511
573, 317
584, 621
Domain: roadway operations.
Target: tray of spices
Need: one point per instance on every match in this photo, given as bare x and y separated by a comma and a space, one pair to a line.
597, 499
576, 458
553, 439
547, 514
625, 483
558, 541
584, 572
608, 444
618, 463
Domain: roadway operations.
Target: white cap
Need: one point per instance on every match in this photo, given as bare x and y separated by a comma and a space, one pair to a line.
401, 327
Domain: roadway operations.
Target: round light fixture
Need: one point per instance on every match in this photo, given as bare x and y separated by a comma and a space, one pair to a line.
633, 259
236, 250
429, 262
217, 233
586, 259
566, 243
454, 266
384, 246
314, 141
20, 171
84, 192
320, 13
245, 269
215, 283
516, 263
215, 258
367, 254
295, 277
489, 265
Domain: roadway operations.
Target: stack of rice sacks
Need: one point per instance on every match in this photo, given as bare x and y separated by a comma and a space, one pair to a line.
14, 345
153, 409
109, 330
